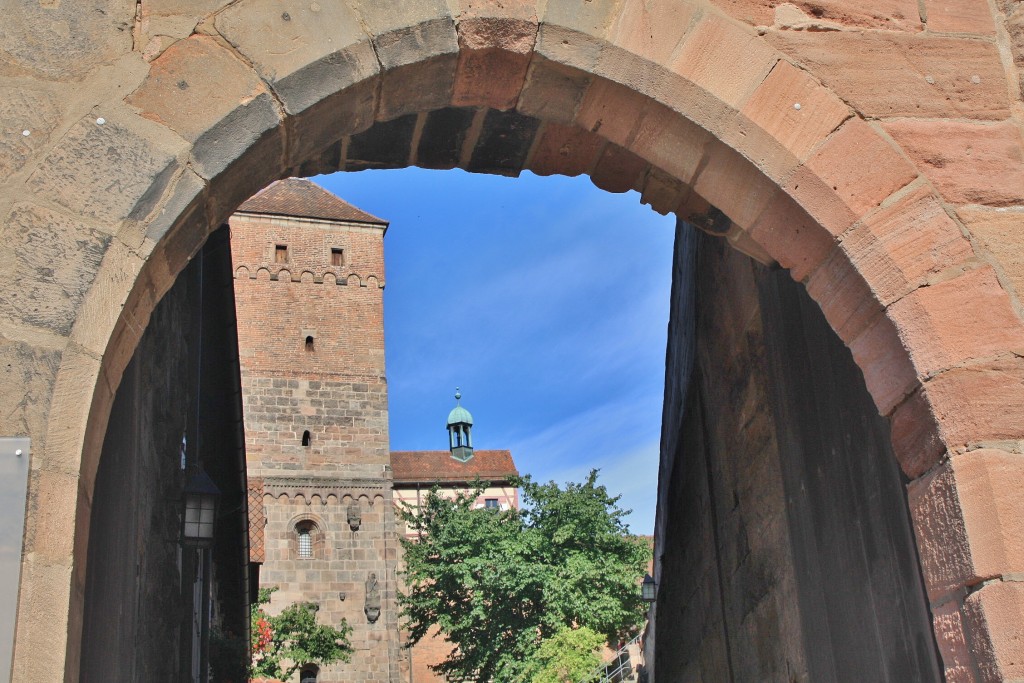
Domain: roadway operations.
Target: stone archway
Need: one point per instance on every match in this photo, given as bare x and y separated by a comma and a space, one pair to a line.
752, 133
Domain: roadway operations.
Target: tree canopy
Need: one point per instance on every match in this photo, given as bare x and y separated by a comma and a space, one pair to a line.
498, 583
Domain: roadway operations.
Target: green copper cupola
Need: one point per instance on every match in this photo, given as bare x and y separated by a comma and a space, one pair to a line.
460, 427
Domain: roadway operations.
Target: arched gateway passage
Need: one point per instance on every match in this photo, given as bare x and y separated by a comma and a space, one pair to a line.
146, 139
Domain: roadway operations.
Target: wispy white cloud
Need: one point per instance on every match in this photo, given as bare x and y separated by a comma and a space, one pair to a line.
546, 300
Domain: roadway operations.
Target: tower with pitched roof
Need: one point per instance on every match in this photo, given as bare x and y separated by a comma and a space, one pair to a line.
309, 279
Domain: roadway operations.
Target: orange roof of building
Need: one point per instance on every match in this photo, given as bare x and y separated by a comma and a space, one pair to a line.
300, 197
440, 466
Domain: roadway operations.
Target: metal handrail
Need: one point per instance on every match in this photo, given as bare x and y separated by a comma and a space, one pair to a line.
616, 669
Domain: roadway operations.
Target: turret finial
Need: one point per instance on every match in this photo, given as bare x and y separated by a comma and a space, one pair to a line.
460, 424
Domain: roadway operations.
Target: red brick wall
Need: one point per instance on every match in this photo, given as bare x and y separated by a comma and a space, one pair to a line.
336, 390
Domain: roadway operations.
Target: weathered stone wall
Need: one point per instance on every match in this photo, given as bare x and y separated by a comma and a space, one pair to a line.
335, 577
180, 383
335, 389
791, 555
874, 148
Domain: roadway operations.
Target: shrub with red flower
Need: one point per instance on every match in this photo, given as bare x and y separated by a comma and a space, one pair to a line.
284, 642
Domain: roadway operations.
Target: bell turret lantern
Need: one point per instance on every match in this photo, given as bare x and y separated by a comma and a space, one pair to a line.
460, 426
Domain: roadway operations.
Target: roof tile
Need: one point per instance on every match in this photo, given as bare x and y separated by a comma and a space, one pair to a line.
440, 466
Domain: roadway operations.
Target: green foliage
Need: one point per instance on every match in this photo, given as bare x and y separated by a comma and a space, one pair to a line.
283, 643
498, 583
569, 656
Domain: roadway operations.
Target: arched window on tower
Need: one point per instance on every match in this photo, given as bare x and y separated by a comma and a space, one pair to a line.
309, 343
306, 438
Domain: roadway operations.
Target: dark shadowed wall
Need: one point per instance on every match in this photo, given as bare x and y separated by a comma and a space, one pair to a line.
792, 556
182, 381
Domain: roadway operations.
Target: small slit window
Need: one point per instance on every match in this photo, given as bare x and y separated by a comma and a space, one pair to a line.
337, 257
305, 438
280, 253
309, 343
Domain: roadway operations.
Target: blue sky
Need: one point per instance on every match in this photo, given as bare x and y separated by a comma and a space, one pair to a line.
545, 300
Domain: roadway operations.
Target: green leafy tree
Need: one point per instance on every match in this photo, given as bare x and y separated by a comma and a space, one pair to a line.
569, 656
283, 643
498, 583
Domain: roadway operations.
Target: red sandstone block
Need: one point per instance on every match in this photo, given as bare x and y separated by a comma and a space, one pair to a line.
895, 15
745, 244
565, 150
948, 623
50, 529
849, 175
612, 111
773, 107
942, 543
917, 436
669, 141
552, 92
791, 237
619, 170
662, 192
844, 296
970, 163
999, 232
993, 616
730, 182
494, 58
653, 30
888, 373
979, 403
891, 74
960, 16
964, 318
180, 93
489, 78
726, 59
988, 485
898, 247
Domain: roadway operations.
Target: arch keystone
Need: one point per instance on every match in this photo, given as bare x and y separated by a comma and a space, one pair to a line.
496, 45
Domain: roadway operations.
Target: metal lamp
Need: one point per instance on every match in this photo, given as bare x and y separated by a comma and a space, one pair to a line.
649, 590
201, 498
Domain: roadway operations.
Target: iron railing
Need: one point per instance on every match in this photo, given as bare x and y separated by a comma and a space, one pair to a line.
619, 667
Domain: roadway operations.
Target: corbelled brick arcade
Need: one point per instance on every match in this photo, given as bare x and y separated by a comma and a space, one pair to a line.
871, 148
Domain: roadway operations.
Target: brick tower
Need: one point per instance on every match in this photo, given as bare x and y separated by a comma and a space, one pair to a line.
309, 279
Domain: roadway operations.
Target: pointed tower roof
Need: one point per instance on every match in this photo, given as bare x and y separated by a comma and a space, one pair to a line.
300, 197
